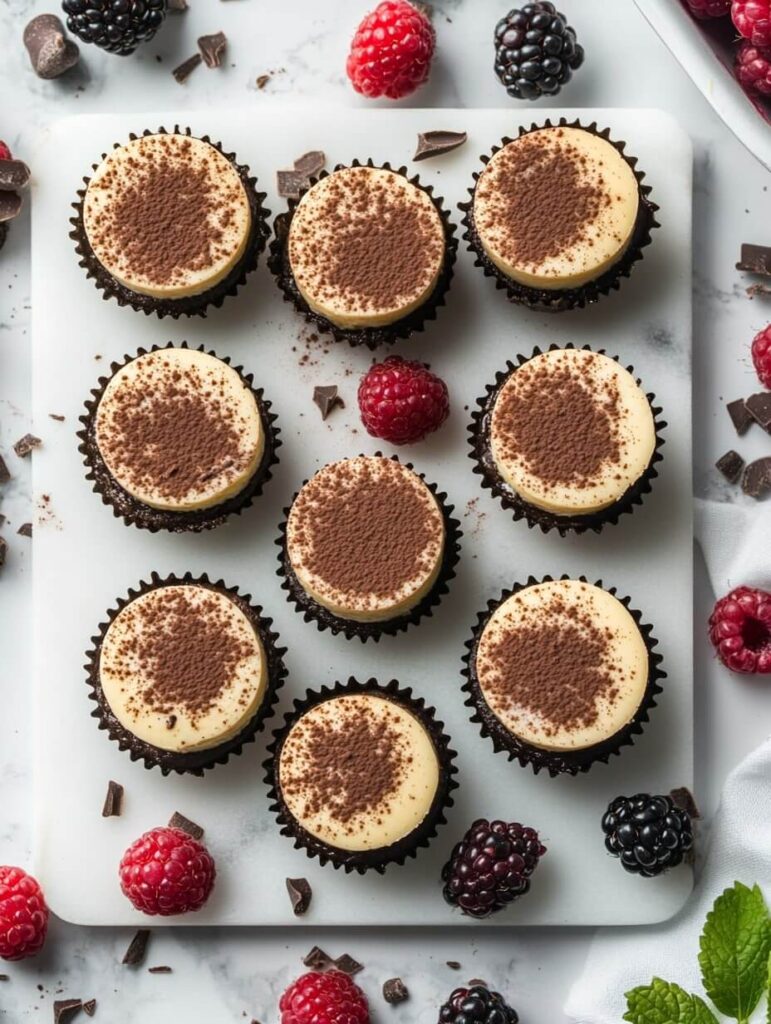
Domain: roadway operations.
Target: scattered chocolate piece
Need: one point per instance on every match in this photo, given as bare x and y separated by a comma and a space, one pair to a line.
307, 166
135, 954
26, 444
759, 407
262, 81
49, 49
300, 893
395, 991
755, 259
730, 465
113, 801
453, 965
184, 70
740, 416
438, 143
212, 47
310, 163
5, 475
56, 416
161, 969
326, 398
3, 551
89, 1007
682, 797
318, 960
171, 721
758, 289
25, 530
178, 820
756, 482
348, 965
5, 977
10, 206
66, 1009
14, 175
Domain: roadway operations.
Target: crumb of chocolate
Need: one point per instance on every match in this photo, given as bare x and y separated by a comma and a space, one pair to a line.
56, 416
66, 1010
300, 894
740, 416
759, 407
730, 465
755, 259
395, 991
262, 81
5, 977
89, 1007
135, 954
756, 481
5, 475
113, 801
326, 398
318, 960
348, 965
181, 73
758, 289
454, 965
682, 797
26, 444
179, 821
160, 969
25, 530
306, 167
212, 48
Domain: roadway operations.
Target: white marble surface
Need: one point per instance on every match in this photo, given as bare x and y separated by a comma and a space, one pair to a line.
220, 975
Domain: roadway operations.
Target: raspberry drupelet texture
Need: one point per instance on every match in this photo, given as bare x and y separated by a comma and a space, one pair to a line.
647, 833
23, 915
5, 153
752, 19
167, 872
709, 8
330, 998
391, 51
761, 343
401, 401
477, 1005
740, 630
753, 69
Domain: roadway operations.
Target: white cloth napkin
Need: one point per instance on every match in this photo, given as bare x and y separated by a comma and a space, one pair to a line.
736, 548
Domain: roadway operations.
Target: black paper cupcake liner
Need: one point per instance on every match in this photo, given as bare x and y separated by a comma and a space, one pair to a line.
371, 337
485, 467
192, 305
408, 846
558, 300
134, 512
198, 761
312, 611
555, 762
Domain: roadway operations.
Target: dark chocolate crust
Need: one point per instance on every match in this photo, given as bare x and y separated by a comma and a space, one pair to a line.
134, 512
556, 763
396, 853
481, 453
311, 610
198, 761
371, 337
192, 305
558, 300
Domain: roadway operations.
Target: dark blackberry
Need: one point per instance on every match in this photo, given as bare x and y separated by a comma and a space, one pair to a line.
536, 51
118, 26
491, 866
647, 833
477, 1005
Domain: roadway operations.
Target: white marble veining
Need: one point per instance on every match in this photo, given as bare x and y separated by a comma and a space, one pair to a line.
220, 975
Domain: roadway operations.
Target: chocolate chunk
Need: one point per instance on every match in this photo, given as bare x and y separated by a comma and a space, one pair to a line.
453, 965
759, 407
326, 398
395, 991
113, 801
66, 1010
10, 206
755, 259
310, 163
184, 70
5, 475
758, 289
5, 977
348, 965
318, 960
740, 416
300, 893
50, 51
89, 1007
3, 551
25, 445
756, 481
57, 416
171, 721
307, 166
178, 820
135, 954
438, 143
682, 797
212, 47
161, 969
25, 530
261, 82
14, 175
730, 465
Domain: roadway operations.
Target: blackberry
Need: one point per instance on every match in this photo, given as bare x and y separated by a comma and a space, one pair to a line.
477, 1005
118, 26
491, 866
648, 833
536, 51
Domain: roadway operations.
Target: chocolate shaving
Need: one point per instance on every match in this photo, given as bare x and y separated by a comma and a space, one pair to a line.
262, 81
26, 444
14, 175
759, 407
730, 465
89, 1007
318, 960
740, 416
113, 801
212, 47
171, 721
50, 51
179, 821
307, 166
10, 206
300, 893
3, 551
66, 1010
5, 475
438, 143
395, 991
183, 71
5, 977
755, 259
682, 797
348, 965
756, 482
161, 969
57, 416
25, 530
135, 954
310, 163
454, 965
326, 398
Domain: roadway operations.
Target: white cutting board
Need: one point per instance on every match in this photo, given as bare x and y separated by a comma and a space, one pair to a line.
84, 558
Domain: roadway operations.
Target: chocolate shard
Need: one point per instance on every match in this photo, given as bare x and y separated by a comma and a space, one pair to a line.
759, 407
4, 977
756, 481
184, 70
212, 47
740, 416
730, 465
300, 893
682, 797
25, 530
5, 475
326, 398
755, 259
348, 965
89, 1007
135, 954
14, 175
3, 552
160, 969
113, 801
395, 991
318, 960
10, 206
178, 820
310, 163
66, 1010
438, 143
307, 166
454, 965
261, 81
50, 51
57, 416
26, 444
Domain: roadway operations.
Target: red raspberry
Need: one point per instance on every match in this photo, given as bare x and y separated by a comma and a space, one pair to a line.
709, 8
753, 20
401, 401
740, 630
391, 51
753, 68
23, 915
331, 998
5, 153
167, 872
761, 349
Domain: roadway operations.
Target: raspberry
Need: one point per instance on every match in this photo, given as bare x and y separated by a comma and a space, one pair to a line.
391, 51
331, 998
753, 20
477, 1005
23, 915
401, 401
761, 344
491, 866
753, 68
167, 872
740, 630
5, 153
709, 8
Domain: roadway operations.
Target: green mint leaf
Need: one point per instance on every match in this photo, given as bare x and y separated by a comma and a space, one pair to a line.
734, 950
768, 1005
663, 1002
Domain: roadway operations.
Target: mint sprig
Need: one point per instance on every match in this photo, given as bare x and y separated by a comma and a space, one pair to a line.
663, 1002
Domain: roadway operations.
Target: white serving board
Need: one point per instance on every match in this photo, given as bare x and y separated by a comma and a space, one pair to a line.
84, 558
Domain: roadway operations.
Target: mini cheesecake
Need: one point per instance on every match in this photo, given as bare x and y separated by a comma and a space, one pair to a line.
556, 212
184, 673
567, 438
168, 223
177, 439
367, 546
561, 674
361, 775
